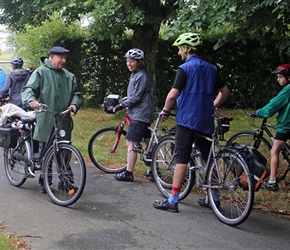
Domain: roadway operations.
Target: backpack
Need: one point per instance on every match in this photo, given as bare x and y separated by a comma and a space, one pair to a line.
256, 162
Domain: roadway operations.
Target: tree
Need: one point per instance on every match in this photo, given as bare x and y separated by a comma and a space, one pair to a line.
35, 42
108, 19
266, 20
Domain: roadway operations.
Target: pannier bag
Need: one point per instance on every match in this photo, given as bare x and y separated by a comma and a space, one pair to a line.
8, 137
110, 102
256, 162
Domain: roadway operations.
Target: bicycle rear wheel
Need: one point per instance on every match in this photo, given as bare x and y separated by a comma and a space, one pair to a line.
64, 174
225, 176
163, 166
251, 139
14, 167
100, 153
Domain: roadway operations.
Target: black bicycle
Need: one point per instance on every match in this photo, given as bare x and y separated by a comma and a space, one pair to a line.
258, 140
62, 165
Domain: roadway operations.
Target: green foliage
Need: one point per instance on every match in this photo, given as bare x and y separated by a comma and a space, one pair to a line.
264, 20
35, 42
103, 70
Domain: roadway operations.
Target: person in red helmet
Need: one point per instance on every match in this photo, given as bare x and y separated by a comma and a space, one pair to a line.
280, 105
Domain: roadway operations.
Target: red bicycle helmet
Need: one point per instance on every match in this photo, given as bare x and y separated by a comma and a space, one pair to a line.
283, 69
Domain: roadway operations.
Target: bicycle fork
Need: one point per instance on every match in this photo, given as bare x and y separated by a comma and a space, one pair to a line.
118, 133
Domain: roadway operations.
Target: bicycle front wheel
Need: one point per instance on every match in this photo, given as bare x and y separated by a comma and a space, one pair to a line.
100, 150
251, 139
14, 166
64, 174
163, 166
226, 177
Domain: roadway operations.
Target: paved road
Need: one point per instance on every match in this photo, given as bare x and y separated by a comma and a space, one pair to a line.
117, 215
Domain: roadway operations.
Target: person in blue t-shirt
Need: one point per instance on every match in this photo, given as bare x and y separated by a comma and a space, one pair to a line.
193, 90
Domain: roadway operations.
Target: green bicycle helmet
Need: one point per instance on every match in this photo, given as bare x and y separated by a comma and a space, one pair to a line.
191, 39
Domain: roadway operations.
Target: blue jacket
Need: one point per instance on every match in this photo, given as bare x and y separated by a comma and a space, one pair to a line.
195, 101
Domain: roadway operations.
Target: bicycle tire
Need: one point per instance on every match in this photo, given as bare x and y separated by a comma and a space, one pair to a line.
100, 146
15, 169
250, 138
163, 166
64, 174
226, 173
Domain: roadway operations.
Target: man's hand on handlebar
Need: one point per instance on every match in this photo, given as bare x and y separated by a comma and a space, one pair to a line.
74, 109
34, 105
164, 114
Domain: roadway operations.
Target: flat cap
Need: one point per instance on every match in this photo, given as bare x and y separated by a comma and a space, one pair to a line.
58, 50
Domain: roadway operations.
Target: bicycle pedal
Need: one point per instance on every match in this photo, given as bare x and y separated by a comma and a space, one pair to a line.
29, 174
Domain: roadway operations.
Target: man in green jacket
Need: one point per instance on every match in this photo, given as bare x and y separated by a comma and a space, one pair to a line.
53, 85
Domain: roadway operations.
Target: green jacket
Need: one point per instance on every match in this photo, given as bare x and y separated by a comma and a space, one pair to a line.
56, 88
281, 105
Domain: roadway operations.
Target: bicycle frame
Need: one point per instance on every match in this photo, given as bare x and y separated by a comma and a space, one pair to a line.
284, 151
154, 137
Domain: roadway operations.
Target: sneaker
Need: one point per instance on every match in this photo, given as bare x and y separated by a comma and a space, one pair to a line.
204, 203
42, 189
164, 205
123, 177
271, 186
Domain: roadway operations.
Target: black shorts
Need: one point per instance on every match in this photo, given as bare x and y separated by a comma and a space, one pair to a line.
184, 138
282, 136
137, 131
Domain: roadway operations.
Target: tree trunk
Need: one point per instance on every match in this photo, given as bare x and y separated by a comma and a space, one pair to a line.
146, 38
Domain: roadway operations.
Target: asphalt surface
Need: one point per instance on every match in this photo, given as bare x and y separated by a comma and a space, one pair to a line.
119, 215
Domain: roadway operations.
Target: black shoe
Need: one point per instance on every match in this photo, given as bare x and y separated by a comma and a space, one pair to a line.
122, 177
148, 174
164, 205
271, 186
204, 203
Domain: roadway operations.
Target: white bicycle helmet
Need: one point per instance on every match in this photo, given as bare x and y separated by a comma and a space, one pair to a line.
137, 54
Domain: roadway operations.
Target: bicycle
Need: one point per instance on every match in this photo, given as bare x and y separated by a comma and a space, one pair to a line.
257, 140
108, 150
223, 171
61, 164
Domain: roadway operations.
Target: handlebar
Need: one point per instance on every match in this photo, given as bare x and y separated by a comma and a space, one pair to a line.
45, 108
